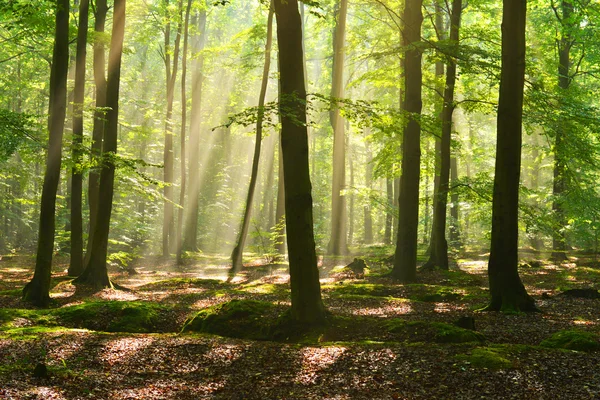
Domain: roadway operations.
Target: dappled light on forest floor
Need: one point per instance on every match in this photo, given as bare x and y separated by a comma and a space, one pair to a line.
314, 360
120, 350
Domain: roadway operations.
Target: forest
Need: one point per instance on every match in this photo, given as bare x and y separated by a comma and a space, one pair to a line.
299, 199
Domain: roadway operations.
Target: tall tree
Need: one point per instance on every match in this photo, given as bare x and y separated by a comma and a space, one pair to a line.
37, 291
76, 261
405, 258
99, 116
338, 242
506, 288
236, 255
438, 256
96, 272
307, 306
191, 219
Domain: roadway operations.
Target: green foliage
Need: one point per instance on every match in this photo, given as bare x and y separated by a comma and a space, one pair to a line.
15, 128
265, 243
573, 340
420, 331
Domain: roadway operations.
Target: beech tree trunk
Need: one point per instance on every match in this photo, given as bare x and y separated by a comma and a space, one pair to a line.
368, 217
405, 258
506, 288
389, 215
96, 272
236, 255
307, 306
37, 291
76, 261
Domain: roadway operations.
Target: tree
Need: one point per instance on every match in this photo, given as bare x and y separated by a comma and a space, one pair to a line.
37, 291
307, 306
236, 255
439, 245
76, 262
338, 241
506, 288
96, 272
405, 257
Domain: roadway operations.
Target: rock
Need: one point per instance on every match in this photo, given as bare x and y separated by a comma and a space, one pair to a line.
465, 322
40, 371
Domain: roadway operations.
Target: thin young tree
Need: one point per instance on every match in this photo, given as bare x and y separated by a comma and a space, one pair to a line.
37, 291
76, 261
405, 258
96, 272
236, 255
506, 288
307, 306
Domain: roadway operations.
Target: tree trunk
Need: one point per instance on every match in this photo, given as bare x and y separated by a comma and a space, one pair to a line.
351, 205
439, 246
405, 259
307, 306
37, 291
389, 215
454, 211
191, 230
96, 273
280, 208
76, 262
236, 255
506, 288
337, 242
180, 213
368, 217
99, 116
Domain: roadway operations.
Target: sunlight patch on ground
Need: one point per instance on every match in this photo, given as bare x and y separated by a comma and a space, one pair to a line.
224, 355
46, 393
65, 350
316, 359
119, 295
448, 307
120, 350
393, 307
157, 389
583, 322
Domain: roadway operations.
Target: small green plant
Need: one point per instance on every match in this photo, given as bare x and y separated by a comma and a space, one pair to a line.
265, 243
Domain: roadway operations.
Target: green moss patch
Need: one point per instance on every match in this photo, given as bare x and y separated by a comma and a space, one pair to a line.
360, 289
247, 319
572, 340
13, 292
184, 283
487, 357
438, 332
433, 293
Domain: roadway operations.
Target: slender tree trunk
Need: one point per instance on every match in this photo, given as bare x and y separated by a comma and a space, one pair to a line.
389, 215
76, 262
307, 306
506, 288
37, 291
351, 205
236, 255
368, 217
337, 242
99, 117
454, 230
280, 208
180, 211
96, 273
191, 230
405, 259
168, 230
439, 245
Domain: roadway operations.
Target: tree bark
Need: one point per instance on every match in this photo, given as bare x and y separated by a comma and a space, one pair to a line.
307, 306
96, 272
280, 208
76, 261
506, 288
37, 291
389, 215
236, 255
405, 258
368, 217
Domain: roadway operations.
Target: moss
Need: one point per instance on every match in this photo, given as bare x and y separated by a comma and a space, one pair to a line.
176, 283
248, 319
487, 357
361, 289
421, 331
32, 332
13, 292
433, 293
266, 288
572, 340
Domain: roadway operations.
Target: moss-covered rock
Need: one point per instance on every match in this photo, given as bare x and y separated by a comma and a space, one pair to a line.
572, 340
487, 357
248, 319
438, 332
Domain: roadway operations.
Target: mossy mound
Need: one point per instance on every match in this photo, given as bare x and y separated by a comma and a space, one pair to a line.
438, 332
433, 293
184, 283
245, 319
487, 357
572, 340
361, 289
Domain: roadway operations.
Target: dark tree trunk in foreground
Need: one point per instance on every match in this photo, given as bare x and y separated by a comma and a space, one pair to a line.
405, 258
96, 273
307, 306
438, 256
76, 262
180, 213
506, 288
236, 255
337, 243
37, 291
561, 156
99, 116
191, 229
280, 208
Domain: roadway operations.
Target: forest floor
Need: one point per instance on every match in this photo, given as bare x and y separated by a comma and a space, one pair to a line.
384, 340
